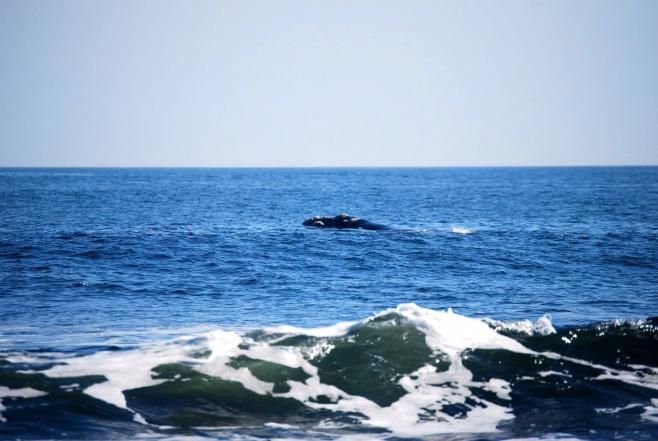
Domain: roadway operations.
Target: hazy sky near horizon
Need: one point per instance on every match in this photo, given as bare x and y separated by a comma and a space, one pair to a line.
332, 83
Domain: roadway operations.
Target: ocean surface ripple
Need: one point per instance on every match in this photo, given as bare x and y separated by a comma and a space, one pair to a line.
193, 303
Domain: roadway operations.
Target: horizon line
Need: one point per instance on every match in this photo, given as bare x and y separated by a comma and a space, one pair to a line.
316, 166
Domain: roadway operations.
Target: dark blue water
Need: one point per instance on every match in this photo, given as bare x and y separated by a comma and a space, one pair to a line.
97, 260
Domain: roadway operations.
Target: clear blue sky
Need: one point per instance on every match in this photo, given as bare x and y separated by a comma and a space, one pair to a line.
331, 83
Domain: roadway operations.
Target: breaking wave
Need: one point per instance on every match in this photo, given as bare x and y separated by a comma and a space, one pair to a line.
405, 372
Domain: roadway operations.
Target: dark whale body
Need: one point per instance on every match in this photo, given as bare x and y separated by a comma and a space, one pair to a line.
342, 221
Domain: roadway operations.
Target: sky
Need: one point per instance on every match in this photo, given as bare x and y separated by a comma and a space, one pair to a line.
328, 83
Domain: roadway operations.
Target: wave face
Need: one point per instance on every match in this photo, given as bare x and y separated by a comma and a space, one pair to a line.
407, 372
135, 303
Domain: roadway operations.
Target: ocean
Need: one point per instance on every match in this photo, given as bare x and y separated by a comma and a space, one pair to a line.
503, 303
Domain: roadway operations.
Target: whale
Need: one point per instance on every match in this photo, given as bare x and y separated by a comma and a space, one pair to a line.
343, 221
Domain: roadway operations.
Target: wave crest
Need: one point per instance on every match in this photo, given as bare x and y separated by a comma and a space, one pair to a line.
408, 371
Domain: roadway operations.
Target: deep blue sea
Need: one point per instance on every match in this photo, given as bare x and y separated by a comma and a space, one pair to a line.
503, 303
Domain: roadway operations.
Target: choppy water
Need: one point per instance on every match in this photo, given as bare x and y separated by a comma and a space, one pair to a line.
170, 302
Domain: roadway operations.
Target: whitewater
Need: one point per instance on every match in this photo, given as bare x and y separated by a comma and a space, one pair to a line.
502, 304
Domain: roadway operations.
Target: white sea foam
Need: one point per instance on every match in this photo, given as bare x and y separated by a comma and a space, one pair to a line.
461, 230
629, 377
548, 437
124, 370
25, 392
641, 367
70, 387
613, 410
428, 391
500, 387
635, 377
45, 357
651, 412
541, 326
553, 373
281, 426
337, 330
451, 333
